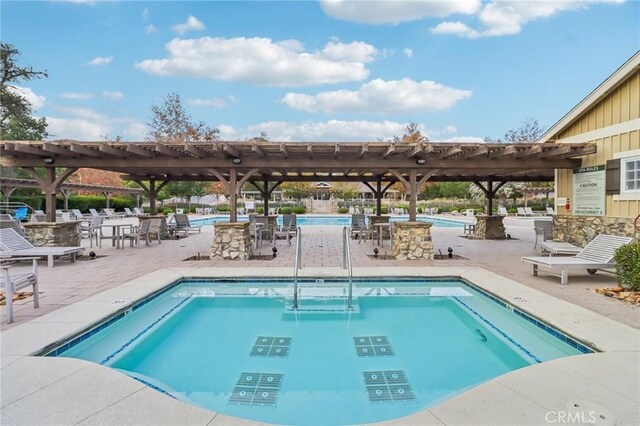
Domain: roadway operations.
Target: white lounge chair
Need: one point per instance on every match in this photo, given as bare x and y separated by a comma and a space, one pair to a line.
112, 214
521, 211
502, 211
13, 283
598, 254
78, 214
138, 211
183, 224
550, 211
13, 244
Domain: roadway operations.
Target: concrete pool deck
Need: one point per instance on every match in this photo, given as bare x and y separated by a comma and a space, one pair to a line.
37, 390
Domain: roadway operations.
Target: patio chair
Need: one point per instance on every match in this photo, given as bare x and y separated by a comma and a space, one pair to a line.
543, 229
12, 283
38, 216
255, 232
6, 221
154, 229
92, 229
288, 229
359, 227
21, 213
598, 254
137, 232
13, 244
182, 224
470, 228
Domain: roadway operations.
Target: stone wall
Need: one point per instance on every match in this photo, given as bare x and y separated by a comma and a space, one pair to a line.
231, 241
52, 234
412, 240
489, 228
580, 230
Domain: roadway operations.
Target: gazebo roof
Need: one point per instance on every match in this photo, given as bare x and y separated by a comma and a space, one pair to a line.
303, 161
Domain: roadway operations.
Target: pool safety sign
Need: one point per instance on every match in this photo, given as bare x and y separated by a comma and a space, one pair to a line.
589, 191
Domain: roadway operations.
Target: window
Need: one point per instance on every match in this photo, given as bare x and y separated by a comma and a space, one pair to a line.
630, 174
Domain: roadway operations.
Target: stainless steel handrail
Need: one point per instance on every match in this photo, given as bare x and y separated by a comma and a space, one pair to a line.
346, 263
297, 264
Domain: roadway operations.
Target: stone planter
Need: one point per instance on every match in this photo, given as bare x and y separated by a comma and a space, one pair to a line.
489, 228
52, 234
231, 241
412, 240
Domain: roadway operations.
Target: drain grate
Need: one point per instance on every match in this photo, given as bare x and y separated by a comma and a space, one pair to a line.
388, 386
266, 346
367, 346
260, 389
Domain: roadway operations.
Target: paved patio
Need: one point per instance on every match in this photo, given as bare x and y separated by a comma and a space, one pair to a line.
68, 283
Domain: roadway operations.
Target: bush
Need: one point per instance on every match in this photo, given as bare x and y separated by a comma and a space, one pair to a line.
260, 210
512, 210
384, 210
628, 265
223, 208
299, 210
36, 203
420, 210
343, 210
284, 210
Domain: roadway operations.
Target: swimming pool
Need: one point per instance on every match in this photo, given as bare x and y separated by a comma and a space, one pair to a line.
237, 347
306, 220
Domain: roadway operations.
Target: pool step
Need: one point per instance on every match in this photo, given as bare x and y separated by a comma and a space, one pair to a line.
322, 300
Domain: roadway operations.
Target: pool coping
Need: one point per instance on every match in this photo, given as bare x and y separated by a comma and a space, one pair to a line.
19, 343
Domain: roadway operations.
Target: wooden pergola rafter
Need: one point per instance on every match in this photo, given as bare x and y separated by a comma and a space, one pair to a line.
260, 162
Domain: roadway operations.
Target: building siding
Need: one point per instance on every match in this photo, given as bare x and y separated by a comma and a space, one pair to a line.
621, 105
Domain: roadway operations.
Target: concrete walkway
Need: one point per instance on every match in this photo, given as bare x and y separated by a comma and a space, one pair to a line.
68, 283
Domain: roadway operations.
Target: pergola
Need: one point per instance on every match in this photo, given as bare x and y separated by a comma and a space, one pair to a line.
9, 185
267, 164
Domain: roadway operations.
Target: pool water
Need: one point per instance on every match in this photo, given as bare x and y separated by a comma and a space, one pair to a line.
238, 347
306, 220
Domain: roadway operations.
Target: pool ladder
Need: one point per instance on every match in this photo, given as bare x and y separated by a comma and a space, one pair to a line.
346, 264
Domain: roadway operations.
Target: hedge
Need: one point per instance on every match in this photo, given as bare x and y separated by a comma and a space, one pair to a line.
628, 265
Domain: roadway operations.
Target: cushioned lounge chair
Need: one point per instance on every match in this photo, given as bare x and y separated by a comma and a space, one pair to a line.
13, 244
598, 254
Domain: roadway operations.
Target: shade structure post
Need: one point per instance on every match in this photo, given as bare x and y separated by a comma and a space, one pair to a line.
233, 196
378, 194
152, 196
413, 196
265, 196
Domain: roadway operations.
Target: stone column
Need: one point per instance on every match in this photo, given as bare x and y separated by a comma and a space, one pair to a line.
52, 234
231, 241
489, 228
412, 240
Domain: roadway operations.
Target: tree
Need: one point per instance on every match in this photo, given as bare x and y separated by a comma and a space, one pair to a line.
528, 132
16, 121
296, 190
412, 134
346, 190
171, 123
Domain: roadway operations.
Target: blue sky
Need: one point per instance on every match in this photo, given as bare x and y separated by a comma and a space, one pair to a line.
330, 70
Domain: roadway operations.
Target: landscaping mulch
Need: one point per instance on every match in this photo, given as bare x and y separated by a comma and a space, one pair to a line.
18, 296
621, 293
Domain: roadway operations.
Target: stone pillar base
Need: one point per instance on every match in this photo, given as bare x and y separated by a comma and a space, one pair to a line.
489, 228
412, 240
52, 234
580, 230
231, 241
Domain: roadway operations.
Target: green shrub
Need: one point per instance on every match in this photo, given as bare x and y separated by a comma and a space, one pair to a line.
36, 203
299, 210
420, 210
512, 210
343, 210
384, 210
166, 211
223, 208
260, 210
284, 210
628, 265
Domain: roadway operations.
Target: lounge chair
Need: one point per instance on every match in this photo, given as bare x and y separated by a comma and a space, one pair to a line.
502, 211
138, 211
550, 211
530, 212
598, 254
111, 214
128, 212
38, 216
94, 213
359, 227
182, 224
13, 244
13, 283
21, 213
78, 214
521, 211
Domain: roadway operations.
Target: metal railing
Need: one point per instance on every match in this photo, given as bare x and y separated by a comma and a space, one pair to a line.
346, 263
297, 264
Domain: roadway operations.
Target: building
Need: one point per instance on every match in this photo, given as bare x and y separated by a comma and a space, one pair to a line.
603, 196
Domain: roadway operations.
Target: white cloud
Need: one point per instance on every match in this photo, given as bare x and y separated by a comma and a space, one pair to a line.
408, 52
150, 29
101, 60
332, 130
113, 96
146, 13
381, 97
499, 18
462, 139
449, 130
262, 61
36, 101
394, 12
88, 124
215, 102
192, 24
77, 96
